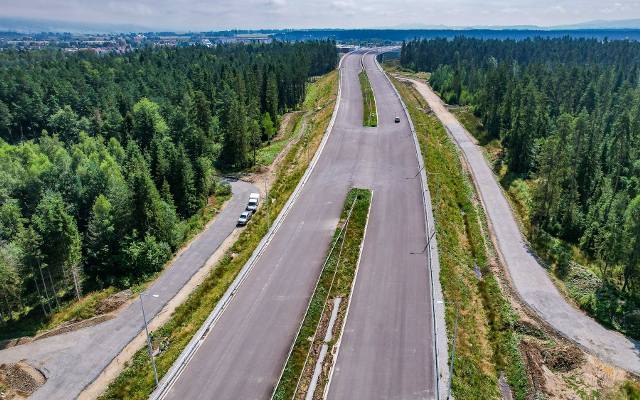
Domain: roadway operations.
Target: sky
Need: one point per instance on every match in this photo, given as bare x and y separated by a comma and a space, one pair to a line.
199, 15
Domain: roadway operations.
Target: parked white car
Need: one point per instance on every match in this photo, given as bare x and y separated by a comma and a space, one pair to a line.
244, 218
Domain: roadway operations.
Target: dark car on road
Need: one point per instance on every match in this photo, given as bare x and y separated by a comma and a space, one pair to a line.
397, 120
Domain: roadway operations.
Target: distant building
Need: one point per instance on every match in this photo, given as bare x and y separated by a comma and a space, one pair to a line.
253, 38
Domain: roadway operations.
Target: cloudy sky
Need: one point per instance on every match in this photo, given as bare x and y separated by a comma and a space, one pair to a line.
225, 14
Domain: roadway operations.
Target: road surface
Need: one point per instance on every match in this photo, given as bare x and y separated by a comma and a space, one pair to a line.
531, 280
243, 354
72, 361
387, 351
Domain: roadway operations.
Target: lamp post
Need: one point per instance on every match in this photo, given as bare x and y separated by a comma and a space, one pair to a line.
146, 328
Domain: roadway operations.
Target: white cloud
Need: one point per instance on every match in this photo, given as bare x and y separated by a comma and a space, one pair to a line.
222, 14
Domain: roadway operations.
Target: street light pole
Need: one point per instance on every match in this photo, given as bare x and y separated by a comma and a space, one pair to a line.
146, 328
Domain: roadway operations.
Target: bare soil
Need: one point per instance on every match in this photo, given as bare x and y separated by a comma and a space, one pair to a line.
113, 302
74, 325
19, 380
5, 344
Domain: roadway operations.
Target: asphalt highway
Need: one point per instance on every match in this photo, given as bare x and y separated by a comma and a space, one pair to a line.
387, 351
388, 355
73, 360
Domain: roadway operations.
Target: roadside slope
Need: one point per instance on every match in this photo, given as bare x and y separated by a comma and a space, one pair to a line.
529, 279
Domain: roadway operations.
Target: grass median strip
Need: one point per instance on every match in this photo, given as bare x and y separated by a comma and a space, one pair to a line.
486, 344
335, 281
370, 114
136, 381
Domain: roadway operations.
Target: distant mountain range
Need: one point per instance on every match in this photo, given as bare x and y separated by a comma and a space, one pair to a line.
604, 24
27, 25
596, 24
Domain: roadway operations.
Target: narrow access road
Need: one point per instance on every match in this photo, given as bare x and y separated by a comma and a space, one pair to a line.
530, 279
244, 352
387, 349
73, 360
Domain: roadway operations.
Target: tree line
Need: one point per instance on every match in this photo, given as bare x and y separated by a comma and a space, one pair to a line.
567, 112
103, 159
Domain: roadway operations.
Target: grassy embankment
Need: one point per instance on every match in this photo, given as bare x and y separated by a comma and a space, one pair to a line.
582, 280
87, 307
268, 153
136, 381
369, 112
486, 344
335, 281
579, 284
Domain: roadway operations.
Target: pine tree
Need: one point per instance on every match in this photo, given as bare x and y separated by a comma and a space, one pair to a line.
60, 245
101, 240
235, 145
268, 130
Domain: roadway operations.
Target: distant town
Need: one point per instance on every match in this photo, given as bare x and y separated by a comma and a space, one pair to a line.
122, 42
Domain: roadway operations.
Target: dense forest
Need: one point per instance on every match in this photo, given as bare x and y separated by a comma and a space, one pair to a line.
567, 114
104, 158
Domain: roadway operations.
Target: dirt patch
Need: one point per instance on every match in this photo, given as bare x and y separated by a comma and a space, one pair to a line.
74, 325
5, 344
284, 125
19, 380
563, 358
113, 302
534, 362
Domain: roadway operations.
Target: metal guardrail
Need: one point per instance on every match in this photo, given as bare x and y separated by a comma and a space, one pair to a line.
187, 354
439, 339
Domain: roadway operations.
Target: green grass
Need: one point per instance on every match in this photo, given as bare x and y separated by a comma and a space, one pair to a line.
324, 291
472, 123
631, 390
486, 343
369, 114
36, 323
267, 154
136, 381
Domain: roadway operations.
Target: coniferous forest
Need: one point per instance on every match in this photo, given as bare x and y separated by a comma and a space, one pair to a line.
103, 158
566, 113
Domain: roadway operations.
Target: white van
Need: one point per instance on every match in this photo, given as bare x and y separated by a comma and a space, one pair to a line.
254, 199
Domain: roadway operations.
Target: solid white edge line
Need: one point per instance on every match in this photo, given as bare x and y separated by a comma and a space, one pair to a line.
168, 380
